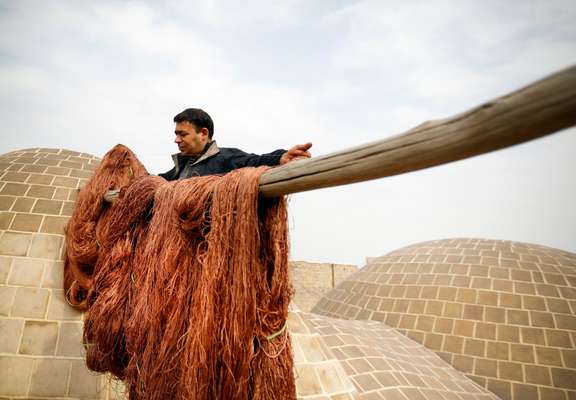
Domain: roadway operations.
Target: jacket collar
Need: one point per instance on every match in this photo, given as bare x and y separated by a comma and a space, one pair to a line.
211, 151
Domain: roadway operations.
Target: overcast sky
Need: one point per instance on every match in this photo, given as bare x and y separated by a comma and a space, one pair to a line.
85, 75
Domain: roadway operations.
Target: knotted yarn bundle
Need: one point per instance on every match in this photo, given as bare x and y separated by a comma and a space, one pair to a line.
118, 167
188, 296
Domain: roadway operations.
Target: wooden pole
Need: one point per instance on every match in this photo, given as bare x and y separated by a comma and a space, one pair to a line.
539, 109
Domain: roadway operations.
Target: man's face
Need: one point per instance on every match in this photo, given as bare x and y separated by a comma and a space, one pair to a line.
189, 138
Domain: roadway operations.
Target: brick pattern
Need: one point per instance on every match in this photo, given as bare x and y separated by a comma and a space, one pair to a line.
313, 280
41, 352
318, 374
502, 312
38, 188
384, 364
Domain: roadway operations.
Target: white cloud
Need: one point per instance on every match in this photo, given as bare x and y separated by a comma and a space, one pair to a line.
443, 52
87, 75
170, 67
246, 14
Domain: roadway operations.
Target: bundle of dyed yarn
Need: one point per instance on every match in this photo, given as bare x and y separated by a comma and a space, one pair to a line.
185, 283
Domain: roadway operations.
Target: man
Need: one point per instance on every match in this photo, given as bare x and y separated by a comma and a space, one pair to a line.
199, 155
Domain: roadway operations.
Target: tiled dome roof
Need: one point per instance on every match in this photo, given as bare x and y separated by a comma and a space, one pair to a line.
379, 361
41, 353
502, 312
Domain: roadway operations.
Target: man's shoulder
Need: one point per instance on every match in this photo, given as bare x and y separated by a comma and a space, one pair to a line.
230, 151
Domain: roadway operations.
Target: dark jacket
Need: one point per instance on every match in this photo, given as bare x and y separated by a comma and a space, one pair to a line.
216, 160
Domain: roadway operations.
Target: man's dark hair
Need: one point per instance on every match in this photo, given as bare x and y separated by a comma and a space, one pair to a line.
198, 117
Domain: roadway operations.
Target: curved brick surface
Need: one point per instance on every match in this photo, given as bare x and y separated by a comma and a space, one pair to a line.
384, 364
41, 353
502, 312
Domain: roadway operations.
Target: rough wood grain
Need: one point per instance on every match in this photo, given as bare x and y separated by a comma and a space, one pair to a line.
539, 109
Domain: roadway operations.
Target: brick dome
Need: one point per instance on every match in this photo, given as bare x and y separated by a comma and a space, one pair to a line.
502, 312
377, 360
41, 352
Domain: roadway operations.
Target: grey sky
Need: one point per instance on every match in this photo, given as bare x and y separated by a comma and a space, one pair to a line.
87, 75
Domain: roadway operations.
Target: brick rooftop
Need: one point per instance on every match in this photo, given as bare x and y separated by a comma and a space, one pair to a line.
448, 319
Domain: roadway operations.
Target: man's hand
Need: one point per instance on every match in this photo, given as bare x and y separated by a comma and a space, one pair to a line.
298, 152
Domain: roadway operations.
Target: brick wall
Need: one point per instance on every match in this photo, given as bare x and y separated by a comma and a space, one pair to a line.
312, 280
